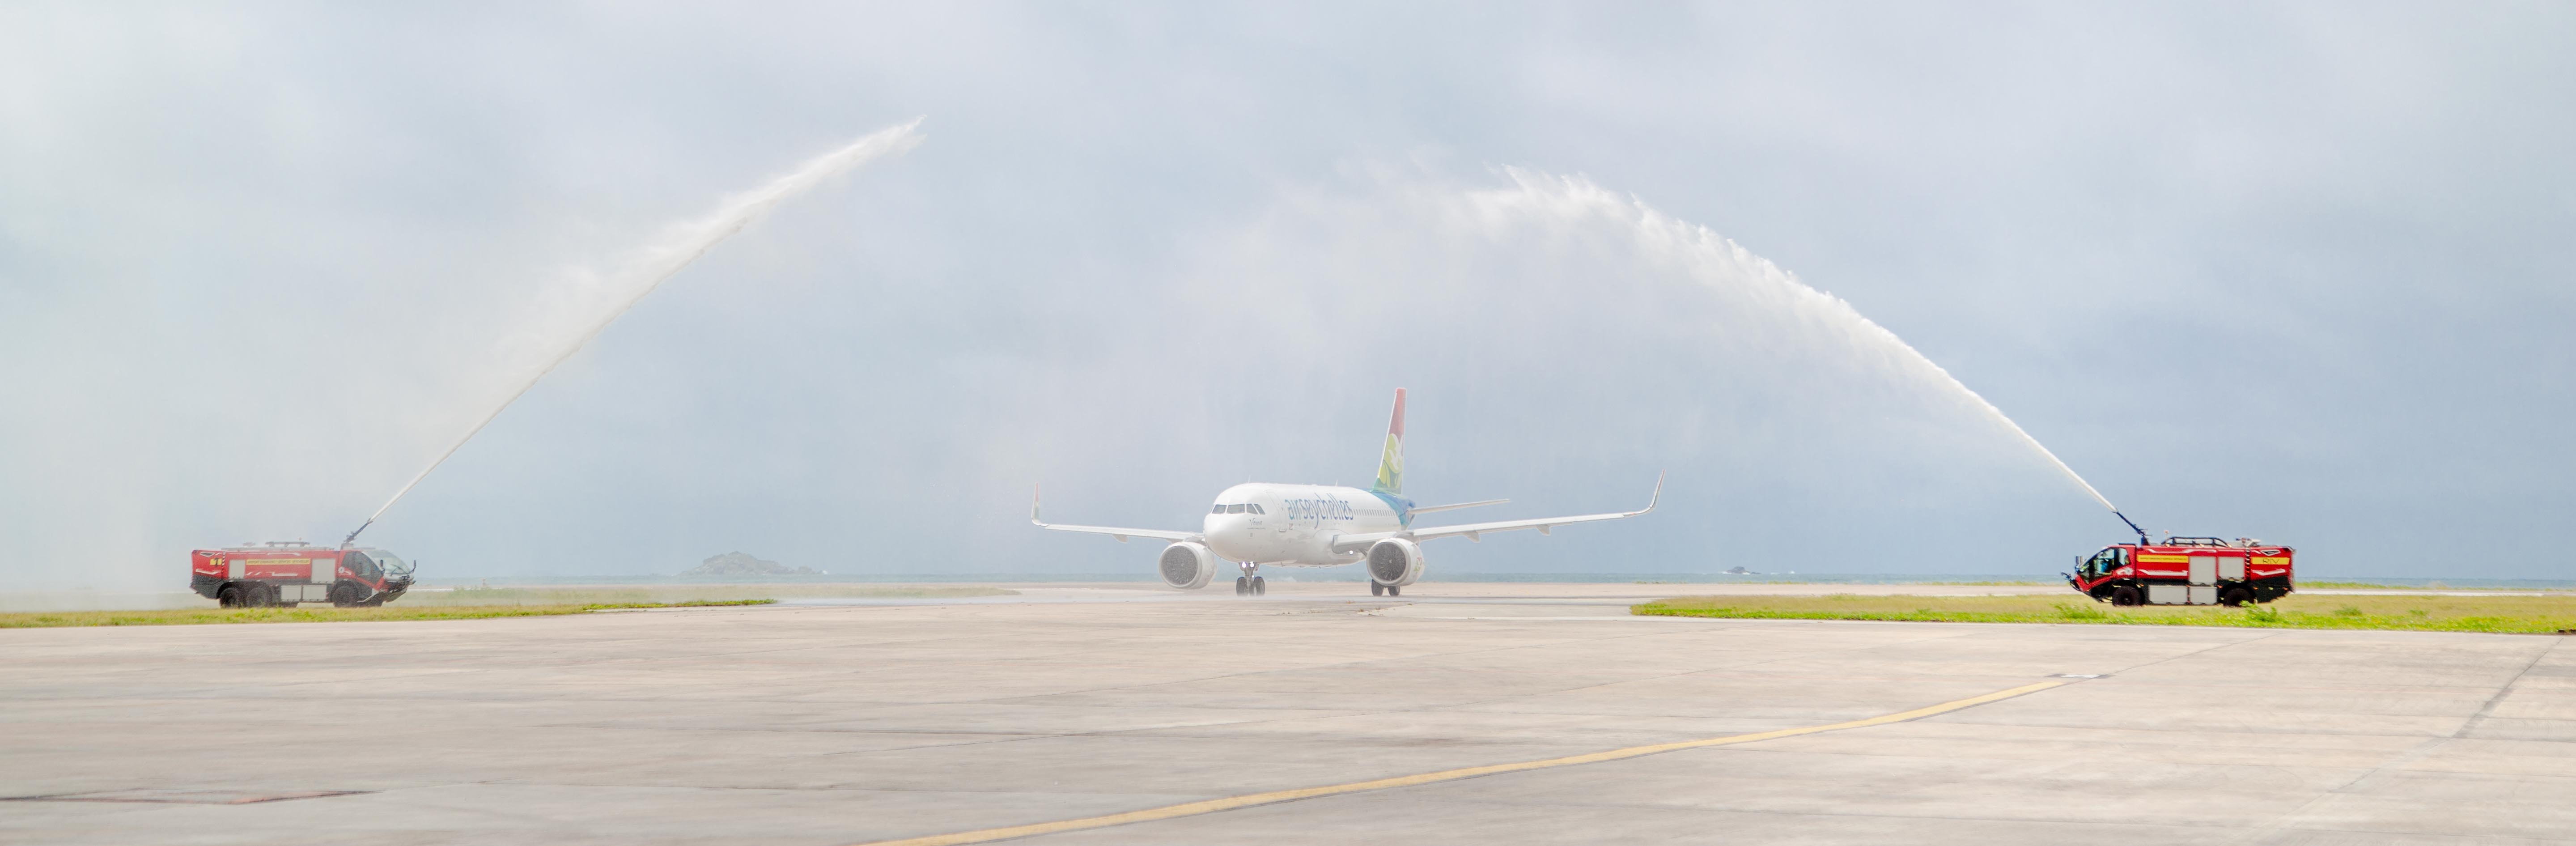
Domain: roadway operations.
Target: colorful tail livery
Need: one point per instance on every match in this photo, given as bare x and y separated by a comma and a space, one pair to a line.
1260, 523
1390, 466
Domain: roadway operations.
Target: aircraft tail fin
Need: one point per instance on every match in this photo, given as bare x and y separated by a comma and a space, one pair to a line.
1390, 464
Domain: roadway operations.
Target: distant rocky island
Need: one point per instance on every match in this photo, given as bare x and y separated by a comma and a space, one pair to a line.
741, 564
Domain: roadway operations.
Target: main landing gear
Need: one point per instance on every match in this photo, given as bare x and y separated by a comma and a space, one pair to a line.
1249, 584
1376, 589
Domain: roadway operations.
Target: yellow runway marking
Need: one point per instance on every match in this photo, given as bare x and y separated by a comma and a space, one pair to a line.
1210, 806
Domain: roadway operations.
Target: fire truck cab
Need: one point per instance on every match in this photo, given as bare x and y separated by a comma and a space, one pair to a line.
2185, 571
285, 573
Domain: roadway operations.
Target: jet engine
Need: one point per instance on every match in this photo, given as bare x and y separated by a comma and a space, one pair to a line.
1395, 562
1188, 565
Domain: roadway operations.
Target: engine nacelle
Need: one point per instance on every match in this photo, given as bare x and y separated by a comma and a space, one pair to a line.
1395, 562
1188, 565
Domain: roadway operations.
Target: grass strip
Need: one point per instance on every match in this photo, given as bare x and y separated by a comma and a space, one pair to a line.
1794, 581
382, 613
2500, 614
2426, 586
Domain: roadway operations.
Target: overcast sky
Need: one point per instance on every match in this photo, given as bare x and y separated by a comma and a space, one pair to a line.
2296, 271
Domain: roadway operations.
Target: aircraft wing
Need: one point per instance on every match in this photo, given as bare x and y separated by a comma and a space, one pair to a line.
1476, 531
1426, 509
1121, 534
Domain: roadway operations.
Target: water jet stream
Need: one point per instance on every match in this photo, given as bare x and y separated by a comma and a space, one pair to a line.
1997, 413
1719, 261
666, 256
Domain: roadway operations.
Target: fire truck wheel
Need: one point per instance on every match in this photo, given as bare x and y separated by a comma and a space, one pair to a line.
344, 596
229, 597
2124, 596
2235, 597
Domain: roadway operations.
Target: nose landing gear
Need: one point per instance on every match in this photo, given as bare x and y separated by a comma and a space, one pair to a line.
1249, 584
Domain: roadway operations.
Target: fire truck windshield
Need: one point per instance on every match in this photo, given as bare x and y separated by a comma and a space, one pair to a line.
2107, 560
393, 565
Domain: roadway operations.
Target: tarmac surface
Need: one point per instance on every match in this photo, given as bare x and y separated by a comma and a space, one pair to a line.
824, 724
92, 600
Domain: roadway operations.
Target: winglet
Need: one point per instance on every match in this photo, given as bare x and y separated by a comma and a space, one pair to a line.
1651, 500
1033, 506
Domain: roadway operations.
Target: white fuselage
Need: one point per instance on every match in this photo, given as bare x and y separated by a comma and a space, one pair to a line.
1294, 525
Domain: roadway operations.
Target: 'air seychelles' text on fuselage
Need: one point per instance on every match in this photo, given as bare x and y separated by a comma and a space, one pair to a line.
1291, 524
1310, 510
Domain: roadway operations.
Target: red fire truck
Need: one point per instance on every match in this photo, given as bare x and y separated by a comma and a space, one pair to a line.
285, 573
2185, 571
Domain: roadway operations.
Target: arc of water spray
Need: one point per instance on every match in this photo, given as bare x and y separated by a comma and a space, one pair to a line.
679, 246
2016, 429
1998, 414
1580, 196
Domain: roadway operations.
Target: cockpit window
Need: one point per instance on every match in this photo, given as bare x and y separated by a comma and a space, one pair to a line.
1256, 508
1236, 508
1220, 509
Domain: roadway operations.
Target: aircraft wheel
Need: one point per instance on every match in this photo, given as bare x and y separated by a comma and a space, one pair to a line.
1259, 587
1242, 586
1376, 589
1394, 590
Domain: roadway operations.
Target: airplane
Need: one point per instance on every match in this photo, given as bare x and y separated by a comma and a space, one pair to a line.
1258, 523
